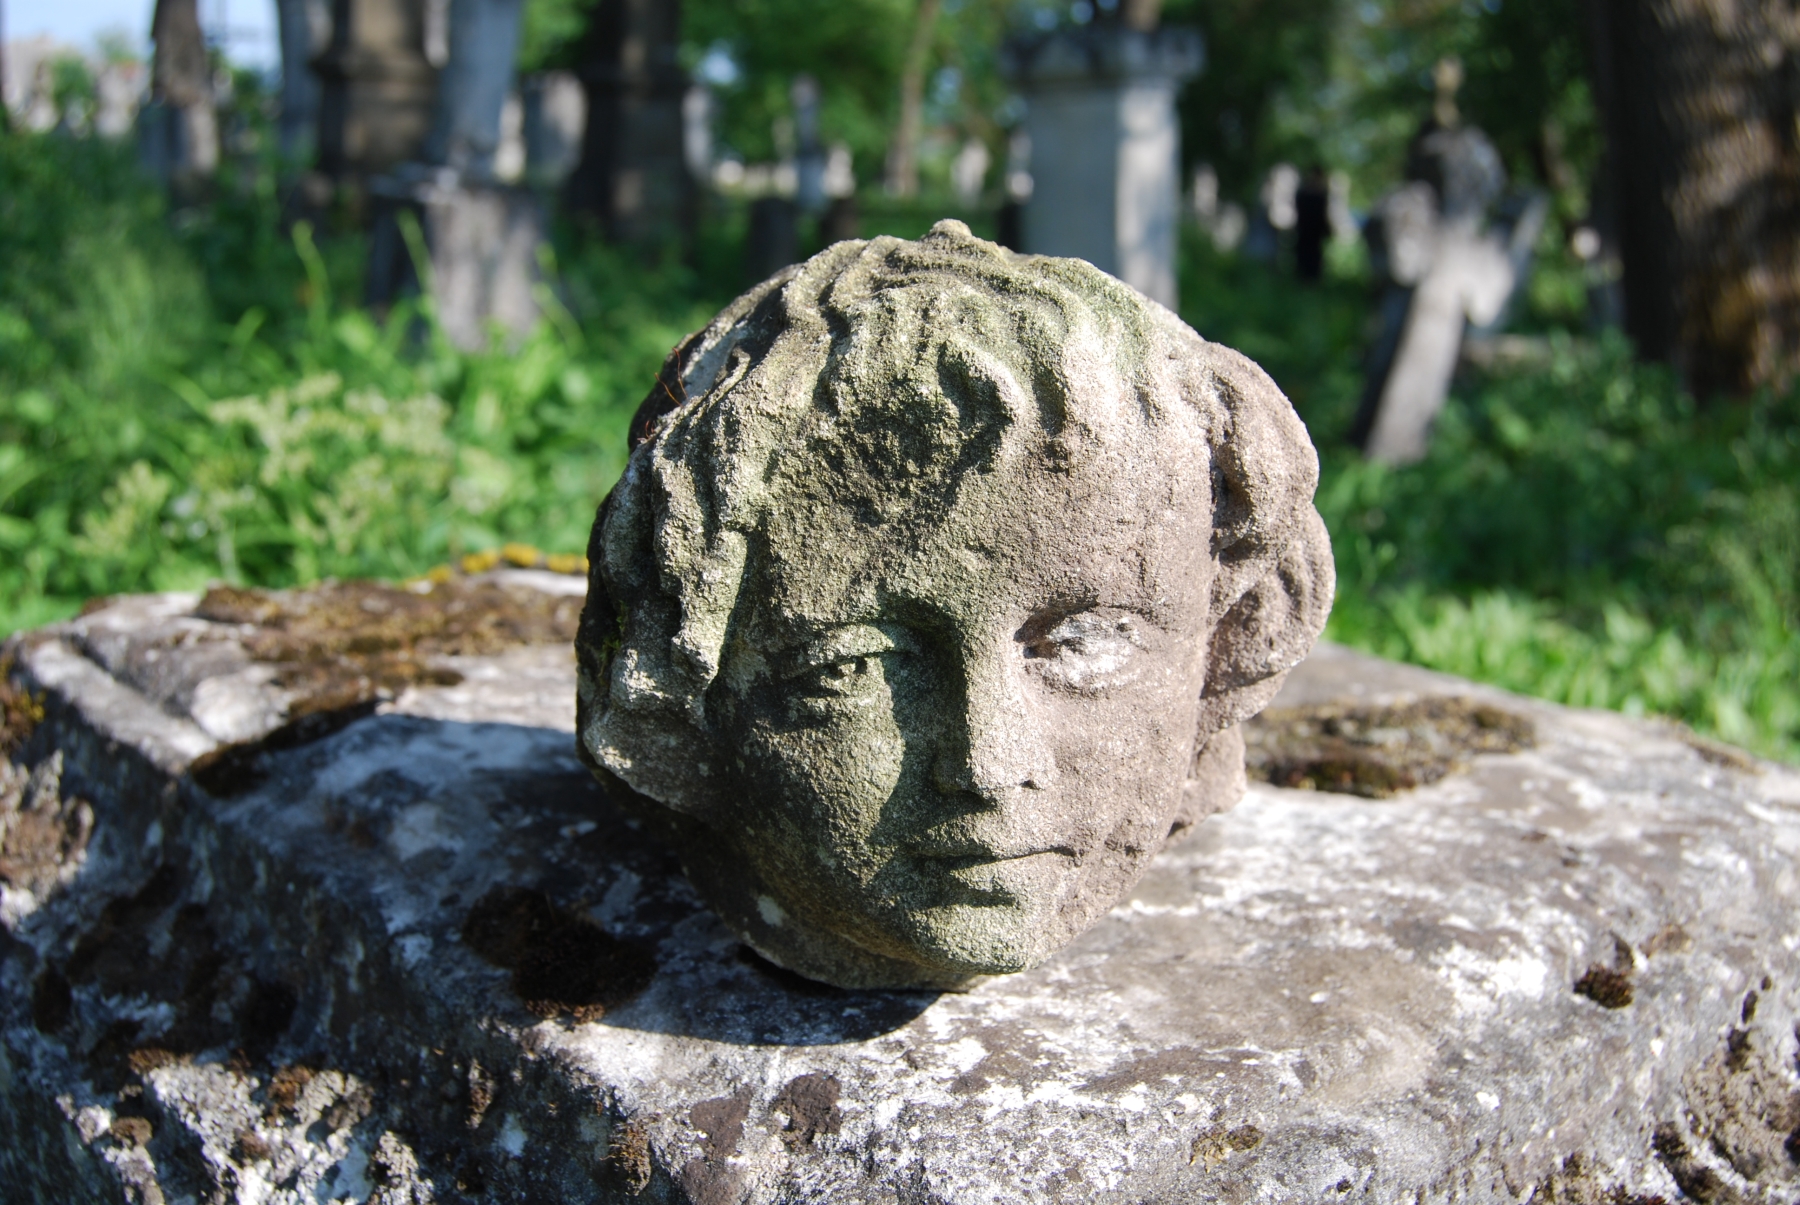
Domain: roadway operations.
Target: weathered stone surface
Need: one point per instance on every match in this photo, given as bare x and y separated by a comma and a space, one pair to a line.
930, 600
1566, 973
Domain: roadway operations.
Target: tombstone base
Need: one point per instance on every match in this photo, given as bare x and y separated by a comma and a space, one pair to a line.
261, 947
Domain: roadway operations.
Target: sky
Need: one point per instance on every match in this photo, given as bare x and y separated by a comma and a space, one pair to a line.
249, 25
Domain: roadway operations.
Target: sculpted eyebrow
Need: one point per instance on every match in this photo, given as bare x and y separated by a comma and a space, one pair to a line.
860, 640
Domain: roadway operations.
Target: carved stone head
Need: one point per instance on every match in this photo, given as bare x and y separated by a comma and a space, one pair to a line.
925, 609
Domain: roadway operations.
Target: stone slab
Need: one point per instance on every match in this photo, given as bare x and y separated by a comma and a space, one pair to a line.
1568, 973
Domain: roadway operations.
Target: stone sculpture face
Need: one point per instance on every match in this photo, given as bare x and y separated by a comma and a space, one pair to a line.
936, 583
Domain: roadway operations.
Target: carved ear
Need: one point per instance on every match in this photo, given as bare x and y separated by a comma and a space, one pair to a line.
1270, 628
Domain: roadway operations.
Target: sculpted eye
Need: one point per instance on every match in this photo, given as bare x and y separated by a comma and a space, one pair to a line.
1087, 651
844, 664
838, 677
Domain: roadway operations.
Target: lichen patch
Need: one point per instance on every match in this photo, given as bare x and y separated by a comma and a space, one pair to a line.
339, 644
1377, 750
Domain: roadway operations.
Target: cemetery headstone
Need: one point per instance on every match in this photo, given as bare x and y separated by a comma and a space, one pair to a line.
773, 240
303, 28
632, 176
473, 86
555, 112
1105, 142
1312, 224
481, 236
185, 149
1445, 270
377, 89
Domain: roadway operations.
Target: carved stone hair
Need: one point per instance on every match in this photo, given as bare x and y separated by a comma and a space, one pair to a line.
885, 371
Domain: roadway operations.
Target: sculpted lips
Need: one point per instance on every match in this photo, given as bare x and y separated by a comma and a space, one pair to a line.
1004, 877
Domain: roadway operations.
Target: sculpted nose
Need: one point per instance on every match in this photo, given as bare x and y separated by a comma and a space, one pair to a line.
997, 746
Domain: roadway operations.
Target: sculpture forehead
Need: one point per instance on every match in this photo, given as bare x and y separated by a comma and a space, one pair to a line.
1127, 524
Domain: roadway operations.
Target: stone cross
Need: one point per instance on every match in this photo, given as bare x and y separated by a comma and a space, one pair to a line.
1445, 269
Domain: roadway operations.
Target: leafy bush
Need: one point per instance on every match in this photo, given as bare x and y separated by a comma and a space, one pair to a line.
147, 443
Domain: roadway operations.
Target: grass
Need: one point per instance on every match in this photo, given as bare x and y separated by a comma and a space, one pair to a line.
194, 397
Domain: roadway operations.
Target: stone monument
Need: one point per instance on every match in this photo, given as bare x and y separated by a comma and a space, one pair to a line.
377, 88
482, 236
1447, 268
632, 176
897, 626
1105, 146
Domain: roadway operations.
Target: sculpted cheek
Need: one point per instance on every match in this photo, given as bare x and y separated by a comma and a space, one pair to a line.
831, 782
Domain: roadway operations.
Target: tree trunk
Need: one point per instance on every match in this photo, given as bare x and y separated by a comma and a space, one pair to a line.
903, 158
1699, 99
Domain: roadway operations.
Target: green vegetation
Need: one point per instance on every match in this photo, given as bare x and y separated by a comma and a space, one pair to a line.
198, 398
1580, 531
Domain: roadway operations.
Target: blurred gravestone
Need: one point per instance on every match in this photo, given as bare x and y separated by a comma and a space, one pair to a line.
1312, 224
481, 235
480, 243
1105, 142
809, 152
472, 88
181, 126
555, 112
378, 88
304, 29
632, 176
1444, 267
774, 239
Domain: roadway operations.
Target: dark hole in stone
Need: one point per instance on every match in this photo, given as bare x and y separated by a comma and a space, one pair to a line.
1749, 1012
1606, 987
268, 1012
117, 1043
810, 1101
471, 1174
1377, 750
562, 963
52, 1001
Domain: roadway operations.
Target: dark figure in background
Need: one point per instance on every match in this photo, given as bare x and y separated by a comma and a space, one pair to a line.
1312, 223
